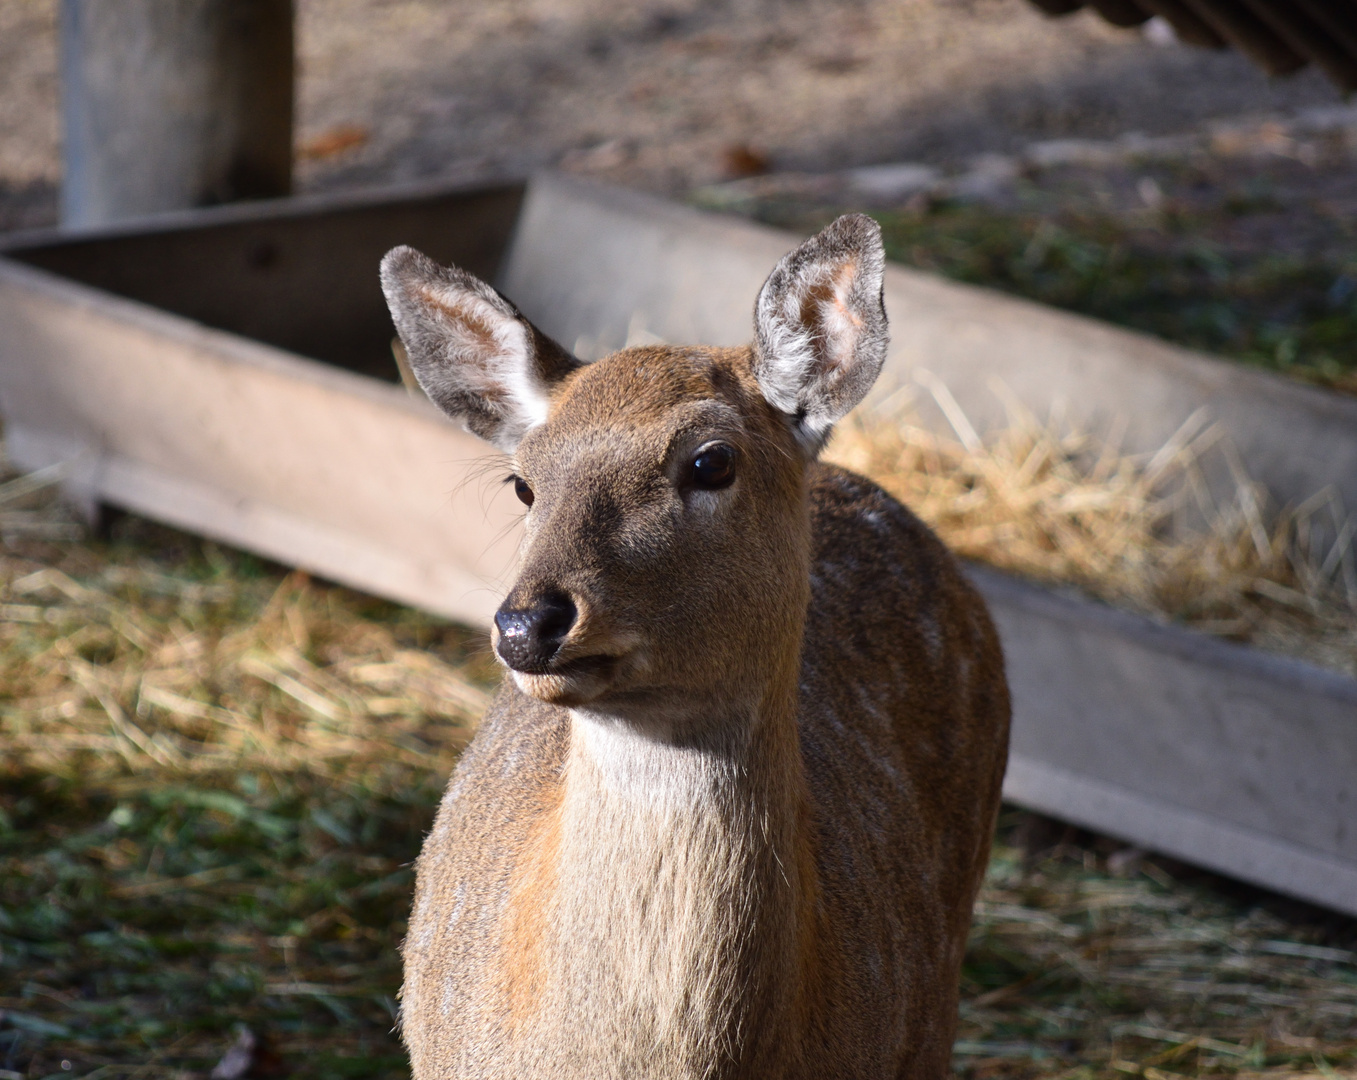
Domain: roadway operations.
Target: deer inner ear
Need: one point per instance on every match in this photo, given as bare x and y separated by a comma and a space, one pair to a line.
820, 327
472, 351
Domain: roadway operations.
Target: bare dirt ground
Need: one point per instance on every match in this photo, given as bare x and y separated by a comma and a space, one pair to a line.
666, 96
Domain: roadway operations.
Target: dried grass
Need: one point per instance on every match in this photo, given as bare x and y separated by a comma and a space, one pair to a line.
173, 700
214, 776
1074, 971
132, 672
1145, 532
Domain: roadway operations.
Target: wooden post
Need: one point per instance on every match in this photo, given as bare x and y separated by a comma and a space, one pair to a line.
172, 104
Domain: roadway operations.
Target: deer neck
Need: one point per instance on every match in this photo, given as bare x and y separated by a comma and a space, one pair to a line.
683, 890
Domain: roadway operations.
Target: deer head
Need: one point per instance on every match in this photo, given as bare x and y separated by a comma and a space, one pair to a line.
663, 576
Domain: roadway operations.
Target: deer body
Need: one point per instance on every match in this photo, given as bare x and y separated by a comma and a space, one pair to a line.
728, 816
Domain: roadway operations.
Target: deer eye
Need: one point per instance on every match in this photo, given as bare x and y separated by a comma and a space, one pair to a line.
524, 493
714, 467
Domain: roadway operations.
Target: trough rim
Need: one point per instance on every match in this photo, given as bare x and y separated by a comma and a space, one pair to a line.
1070, 605
181, 329
263, 211
1208, 369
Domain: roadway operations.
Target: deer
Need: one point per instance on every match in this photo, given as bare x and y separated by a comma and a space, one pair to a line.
729, 812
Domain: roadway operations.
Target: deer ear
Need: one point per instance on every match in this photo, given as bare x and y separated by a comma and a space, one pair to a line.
475, 355
820, 326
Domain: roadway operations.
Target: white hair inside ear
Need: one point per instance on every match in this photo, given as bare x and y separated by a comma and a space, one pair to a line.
471, 350
820, 331
486, 351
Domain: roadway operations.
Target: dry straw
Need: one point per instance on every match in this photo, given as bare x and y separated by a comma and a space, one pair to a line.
164, 699
119, 671
1147, 532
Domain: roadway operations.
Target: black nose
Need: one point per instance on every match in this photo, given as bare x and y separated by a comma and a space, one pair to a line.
530, 636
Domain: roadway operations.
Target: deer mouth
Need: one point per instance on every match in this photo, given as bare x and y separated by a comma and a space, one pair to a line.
570, 682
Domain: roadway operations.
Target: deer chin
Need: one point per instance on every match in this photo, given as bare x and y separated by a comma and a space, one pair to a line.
573, 682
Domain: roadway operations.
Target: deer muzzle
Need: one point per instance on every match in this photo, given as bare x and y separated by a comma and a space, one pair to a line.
530, 636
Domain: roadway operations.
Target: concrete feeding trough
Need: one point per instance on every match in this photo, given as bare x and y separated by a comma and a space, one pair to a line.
229, 371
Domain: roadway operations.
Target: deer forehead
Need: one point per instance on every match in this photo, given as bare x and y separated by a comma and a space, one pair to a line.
639, 407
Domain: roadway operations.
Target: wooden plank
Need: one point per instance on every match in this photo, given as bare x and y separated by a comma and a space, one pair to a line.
1215, 753
297, 460
298, 274
1212, 843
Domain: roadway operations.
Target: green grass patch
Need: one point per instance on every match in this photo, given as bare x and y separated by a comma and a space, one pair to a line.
1228, 267
215, 776
1279, 311
139, 929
